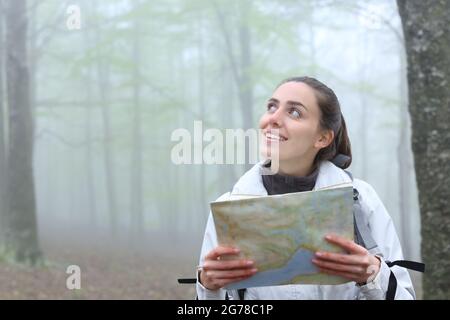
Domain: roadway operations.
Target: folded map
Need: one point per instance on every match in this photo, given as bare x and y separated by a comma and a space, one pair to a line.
281, 233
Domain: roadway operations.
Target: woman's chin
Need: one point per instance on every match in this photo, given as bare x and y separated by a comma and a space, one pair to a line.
269, 154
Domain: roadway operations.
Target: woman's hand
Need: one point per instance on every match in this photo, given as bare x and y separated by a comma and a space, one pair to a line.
358, 265
217, 273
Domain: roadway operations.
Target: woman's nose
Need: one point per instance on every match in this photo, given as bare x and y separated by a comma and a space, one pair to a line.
276, 119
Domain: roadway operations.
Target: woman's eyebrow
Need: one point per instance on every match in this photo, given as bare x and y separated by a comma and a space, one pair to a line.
297, 103
288, 102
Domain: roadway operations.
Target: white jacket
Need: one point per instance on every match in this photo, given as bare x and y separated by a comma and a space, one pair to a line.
381, 226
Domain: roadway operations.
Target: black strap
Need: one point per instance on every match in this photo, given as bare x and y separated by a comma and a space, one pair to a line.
187, 280
412, 265
392, 285
241, 294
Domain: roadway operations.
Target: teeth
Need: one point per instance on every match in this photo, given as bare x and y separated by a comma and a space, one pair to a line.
274, 137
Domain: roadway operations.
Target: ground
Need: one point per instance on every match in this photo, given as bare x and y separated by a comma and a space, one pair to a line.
122, 276
105, 275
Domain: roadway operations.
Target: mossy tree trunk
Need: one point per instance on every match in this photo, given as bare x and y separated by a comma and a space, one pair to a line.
21, 230
426, 27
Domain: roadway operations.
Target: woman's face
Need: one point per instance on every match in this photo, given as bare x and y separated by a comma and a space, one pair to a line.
292, 121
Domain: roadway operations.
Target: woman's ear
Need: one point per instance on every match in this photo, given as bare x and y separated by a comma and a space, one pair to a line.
325, 138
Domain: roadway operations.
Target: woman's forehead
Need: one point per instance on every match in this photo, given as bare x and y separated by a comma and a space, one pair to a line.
295, 91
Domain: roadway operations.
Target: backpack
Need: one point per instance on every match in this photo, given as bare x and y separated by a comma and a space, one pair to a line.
363, 237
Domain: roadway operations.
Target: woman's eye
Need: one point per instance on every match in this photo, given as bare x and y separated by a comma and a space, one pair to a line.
271, 107
295, 113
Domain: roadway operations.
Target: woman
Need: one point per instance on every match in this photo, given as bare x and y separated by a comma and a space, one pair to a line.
304, 118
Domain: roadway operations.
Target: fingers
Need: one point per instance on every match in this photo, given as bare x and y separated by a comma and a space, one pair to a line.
227, 264
219, 251
212, 261
220, 283
348, 245
217, 273
353, 266
230, 274
347, 275
344, 258
358, 269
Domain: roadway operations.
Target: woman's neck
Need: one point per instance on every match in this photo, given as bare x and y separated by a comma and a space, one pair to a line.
295, 168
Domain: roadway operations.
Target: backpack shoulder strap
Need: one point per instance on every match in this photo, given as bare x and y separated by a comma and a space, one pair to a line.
363, 237
363, 234
241, 293
392, 285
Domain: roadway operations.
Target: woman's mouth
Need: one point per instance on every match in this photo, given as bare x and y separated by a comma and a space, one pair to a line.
274, 137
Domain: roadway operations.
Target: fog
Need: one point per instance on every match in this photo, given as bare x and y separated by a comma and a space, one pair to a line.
107, 95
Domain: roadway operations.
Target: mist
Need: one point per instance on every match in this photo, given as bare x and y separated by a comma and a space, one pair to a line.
109, 89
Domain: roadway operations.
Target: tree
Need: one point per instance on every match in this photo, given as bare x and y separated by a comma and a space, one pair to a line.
202, 101
2, 128
104, 88
241, 63
21, 233
406, 178
136, 186
426, 27
88, 79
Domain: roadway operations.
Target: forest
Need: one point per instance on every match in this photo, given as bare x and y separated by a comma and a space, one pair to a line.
91, 93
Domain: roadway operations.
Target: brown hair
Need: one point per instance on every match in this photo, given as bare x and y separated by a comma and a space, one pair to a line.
331, 119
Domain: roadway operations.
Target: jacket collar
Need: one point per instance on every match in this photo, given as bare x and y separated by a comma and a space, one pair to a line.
251, 182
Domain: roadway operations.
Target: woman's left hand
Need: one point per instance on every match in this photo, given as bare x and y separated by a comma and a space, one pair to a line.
357, 265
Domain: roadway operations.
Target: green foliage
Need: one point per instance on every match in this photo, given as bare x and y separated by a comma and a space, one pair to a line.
150, 59
7, 255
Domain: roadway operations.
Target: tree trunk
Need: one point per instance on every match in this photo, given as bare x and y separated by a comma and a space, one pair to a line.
311, 39
405, 166
364, 156
246, 83
202, 97
33, 56
426, 26
103, 82
240, 67
3, 205
227, 172
21, 218
136, 156
108, 152
91, 198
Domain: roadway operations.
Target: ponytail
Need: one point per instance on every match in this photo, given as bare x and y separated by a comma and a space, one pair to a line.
342, 147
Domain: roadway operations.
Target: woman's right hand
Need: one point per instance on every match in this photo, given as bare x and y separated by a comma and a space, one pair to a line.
217, 273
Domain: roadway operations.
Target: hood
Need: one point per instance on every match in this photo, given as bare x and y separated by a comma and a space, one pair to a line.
251, 182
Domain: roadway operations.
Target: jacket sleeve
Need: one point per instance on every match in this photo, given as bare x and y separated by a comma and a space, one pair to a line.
209, 243
383, 232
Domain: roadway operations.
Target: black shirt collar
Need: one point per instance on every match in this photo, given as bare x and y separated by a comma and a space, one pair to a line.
280, 184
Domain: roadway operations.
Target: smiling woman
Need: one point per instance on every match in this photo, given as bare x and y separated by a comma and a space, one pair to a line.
304, 119
308, 117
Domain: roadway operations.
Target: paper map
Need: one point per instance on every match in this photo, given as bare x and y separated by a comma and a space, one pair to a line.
281, 233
